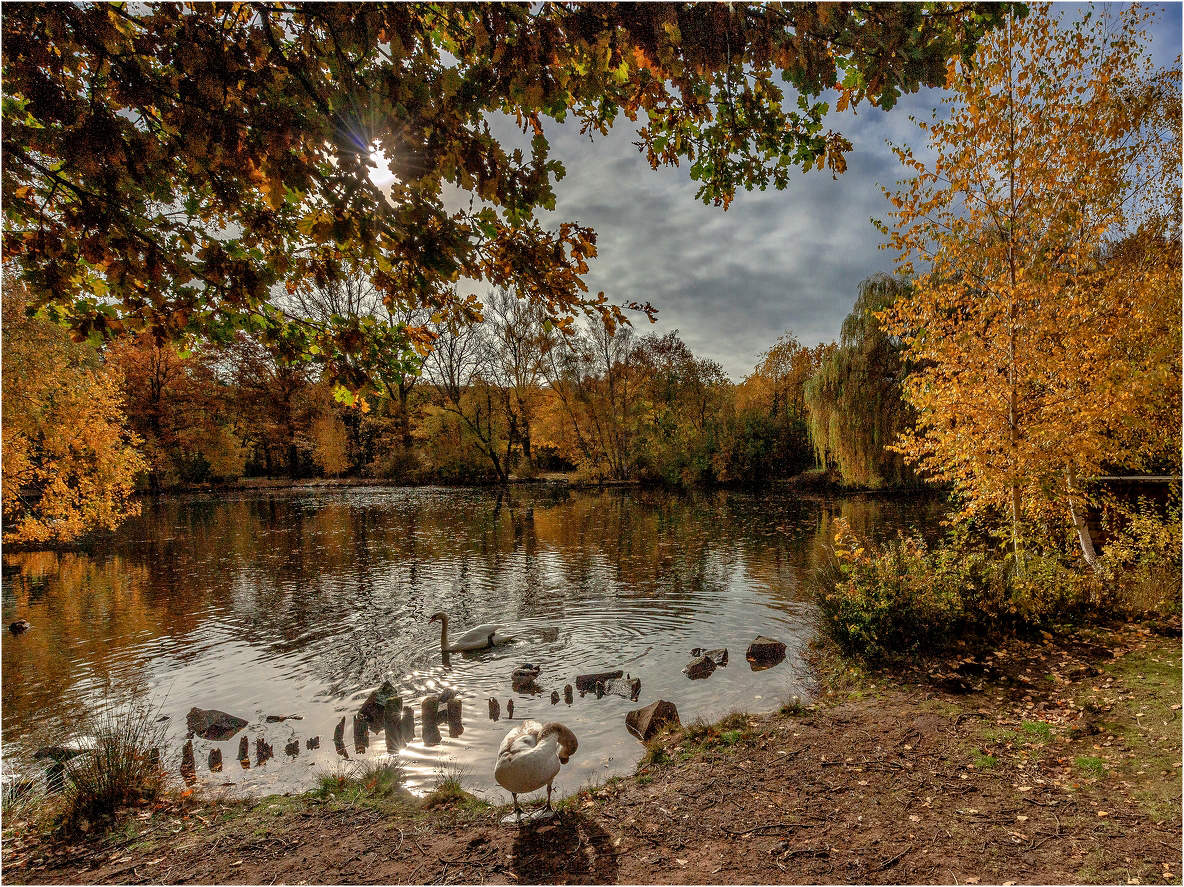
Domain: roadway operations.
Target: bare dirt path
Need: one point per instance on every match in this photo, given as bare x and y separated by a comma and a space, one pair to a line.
1054, 761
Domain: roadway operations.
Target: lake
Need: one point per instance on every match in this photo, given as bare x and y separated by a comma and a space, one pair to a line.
303, 601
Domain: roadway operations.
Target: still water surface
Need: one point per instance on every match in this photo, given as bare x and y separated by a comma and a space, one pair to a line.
303, 601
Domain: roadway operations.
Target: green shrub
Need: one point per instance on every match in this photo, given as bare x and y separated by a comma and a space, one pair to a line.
1141, 565
905, 598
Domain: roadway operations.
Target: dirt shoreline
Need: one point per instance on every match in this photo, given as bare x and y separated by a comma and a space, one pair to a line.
1049, 761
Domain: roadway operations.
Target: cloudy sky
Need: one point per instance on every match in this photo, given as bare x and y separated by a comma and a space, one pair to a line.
732, 282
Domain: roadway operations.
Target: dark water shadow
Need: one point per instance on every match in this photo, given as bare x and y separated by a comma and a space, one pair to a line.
571, 848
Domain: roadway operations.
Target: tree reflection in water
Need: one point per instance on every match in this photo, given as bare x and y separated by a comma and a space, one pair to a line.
304, 601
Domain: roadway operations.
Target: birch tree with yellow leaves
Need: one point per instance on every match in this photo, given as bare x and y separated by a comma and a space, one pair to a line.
1043, 230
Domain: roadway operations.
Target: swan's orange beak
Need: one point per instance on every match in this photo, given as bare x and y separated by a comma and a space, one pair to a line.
563, 759
435, 618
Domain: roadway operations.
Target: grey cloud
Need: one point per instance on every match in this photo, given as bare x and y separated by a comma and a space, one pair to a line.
732, 282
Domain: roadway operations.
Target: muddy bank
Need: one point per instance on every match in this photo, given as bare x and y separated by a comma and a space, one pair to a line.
1053, 761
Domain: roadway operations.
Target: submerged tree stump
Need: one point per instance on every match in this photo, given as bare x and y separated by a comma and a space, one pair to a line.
392, 717
263, 751
188, 766
407, 726
455, 727
429, 715
361, 734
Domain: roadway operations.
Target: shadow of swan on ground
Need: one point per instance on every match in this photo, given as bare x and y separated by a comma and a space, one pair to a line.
570, 849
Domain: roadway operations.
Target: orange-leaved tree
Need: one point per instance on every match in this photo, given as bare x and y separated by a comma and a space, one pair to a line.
70, 463
1043, 226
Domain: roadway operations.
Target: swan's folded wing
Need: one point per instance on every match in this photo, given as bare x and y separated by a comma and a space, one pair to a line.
520, 739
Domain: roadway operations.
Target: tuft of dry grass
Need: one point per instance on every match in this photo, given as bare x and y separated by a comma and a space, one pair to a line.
121, 767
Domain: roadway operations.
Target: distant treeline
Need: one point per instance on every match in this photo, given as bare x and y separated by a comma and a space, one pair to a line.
510, 396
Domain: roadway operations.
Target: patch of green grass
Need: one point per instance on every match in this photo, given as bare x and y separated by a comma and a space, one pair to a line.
699, 736
792, 706
361, 784
983, 761
450, 793
1036, 731
1029, 733
1090, 764
656, 755
1143, 717
999, 734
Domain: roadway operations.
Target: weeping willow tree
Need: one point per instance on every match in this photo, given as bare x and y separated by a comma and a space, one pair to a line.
854, 403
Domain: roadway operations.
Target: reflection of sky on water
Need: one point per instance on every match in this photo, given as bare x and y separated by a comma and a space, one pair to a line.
303, 602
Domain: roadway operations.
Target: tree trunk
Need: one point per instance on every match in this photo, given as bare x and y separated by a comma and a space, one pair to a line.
1078, 517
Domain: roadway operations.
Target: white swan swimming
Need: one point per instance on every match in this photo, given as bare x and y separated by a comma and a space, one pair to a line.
530, 757
480, 638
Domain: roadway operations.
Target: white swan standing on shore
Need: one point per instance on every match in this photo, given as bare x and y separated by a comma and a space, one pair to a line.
530, 757
480, 638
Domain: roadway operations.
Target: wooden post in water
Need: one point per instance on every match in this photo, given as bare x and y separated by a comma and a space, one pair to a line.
407, 725
188, 767
429, 715
455, 727
392, 716
361, 734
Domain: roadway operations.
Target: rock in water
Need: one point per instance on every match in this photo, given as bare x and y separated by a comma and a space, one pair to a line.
407, 726
495, 709
244, 753
292, 749
20, 626
215, 760
509, 708
372, 708
55, 777
554, 697
339, 738
626, 688
263, 751
645, 722
567, 694
361, 734
764, 653
699, 668
275, 719
59, 753
455, 727
719, 657
188, 766
209, 723
314, 742
429, 711
585, 683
